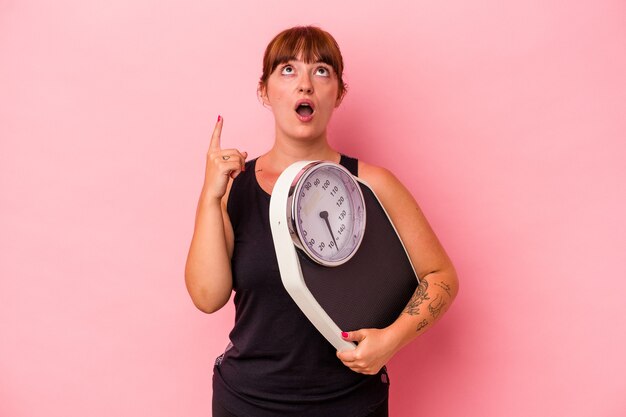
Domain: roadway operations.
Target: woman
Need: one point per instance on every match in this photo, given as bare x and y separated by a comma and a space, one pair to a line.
277, 363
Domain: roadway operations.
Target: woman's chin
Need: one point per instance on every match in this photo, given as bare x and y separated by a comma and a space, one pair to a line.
304, 132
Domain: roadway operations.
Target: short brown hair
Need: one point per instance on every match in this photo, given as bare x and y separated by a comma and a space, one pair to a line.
309, 43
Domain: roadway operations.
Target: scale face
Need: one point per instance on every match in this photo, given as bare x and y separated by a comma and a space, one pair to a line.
340, 257
326, 213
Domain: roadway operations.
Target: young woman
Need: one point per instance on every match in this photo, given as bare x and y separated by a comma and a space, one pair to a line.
277, 363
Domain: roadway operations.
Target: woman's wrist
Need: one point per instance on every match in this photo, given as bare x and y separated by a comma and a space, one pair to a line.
209, 199
406, 328
397, 335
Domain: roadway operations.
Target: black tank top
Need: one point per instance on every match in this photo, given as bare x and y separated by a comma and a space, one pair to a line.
277, 363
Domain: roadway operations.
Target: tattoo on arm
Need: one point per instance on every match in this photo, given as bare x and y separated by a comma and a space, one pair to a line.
412, 308
421, 325
436, 306
444, 287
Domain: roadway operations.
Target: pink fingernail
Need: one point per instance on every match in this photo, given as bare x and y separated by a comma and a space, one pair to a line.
344, 335
219, 118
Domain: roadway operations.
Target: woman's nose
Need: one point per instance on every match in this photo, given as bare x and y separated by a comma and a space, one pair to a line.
305, 85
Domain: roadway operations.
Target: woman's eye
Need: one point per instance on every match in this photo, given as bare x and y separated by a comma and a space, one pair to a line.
287, 70
322, 71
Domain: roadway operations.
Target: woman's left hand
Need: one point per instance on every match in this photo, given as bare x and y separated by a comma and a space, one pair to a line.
375, 348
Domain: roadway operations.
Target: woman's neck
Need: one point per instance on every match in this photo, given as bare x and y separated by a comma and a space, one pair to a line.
270, 165
284, 153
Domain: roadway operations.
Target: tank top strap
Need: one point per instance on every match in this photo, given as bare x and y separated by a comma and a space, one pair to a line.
351, 164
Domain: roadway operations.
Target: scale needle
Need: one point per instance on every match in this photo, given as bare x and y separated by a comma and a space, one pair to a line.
324, 215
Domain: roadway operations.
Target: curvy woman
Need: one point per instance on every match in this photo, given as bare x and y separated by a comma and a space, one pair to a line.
277, 363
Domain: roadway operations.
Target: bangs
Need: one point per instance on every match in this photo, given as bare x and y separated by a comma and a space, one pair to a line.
307, 46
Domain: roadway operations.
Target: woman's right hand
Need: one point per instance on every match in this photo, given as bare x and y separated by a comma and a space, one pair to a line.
208, 273
221, 164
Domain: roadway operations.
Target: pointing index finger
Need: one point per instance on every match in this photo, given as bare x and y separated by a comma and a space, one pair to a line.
217, 132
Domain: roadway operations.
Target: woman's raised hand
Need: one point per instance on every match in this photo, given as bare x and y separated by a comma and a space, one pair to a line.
221, 164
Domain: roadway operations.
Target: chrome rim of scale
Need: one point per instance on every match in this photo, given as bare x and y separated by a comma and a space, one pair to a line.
326, 213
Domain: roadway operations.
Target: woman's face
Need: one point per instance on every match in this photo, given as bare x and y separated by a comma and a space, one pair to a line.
302, 97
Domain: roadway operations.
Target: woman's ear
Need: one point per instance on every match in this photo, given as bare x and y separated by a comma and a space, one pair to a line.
262, 92
343, 94
339, 100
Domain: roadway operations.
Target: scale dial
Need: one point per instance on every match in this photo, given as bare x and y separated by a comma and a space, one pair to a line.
326, 213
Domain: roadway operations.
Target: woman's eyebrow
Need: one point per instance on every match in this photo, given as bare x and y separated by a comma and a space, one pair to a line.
295, 58
285, 60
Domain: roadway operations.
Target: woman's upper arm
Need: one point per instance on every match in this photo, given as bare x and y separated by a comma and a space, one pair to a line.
425, 250
229, 234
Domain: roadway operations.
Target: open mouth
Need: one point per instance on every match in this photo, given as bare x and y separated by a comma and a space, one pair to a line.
305, 109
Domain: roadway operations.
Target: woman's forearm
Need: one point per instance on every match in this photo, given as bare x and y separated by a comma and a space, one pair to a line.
431, 300
208, 273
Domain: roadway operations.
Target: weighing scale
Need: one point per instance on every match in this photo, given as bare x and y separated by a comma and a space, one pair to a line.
340, 257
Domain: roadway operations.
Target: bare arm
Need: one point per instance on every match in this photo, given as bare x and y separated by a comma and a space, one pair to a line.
208, 274
438, 281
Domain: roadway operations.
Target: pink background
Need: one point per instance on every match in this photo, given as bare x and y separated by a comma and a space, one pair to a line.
505, 120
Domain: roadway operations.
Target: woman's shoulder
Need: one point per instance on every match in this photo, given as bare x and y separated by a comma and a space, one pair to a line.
379, 178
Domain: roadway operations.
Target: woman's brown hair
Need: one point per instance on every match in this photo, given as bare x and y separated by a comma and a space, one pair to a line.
308, 43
